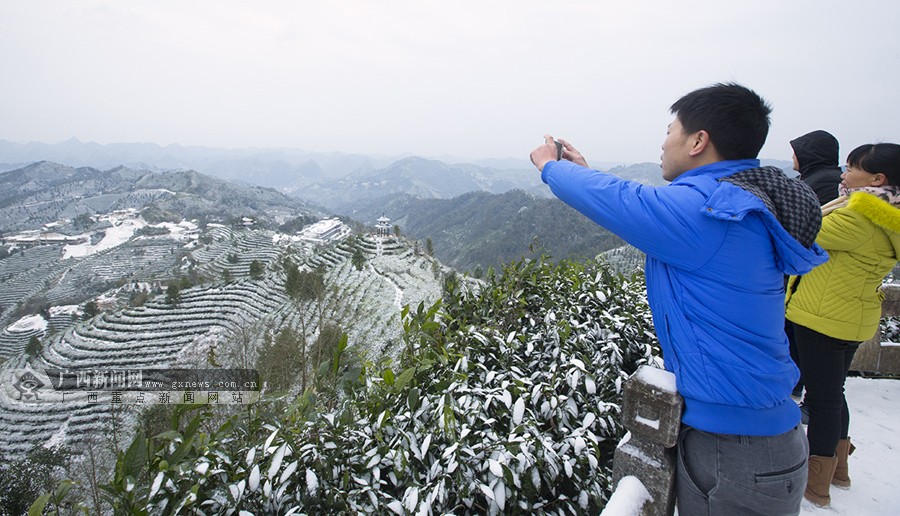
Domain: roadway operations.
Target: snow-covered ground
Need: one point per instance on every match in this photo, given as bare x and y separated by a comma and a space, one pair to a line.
183, 230
124, 224
874, 419
121, 232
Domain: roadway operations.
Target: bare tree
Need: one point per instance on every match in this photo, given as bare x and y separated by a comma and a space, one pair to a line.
243, 344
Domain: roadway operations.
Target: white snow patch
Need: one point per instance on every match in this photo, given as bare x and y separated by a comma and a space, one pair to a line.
659, 378
107, 298
58, 438
652, 423
628, 498
122, 231
312, 482
28, 323
64, 309
637, 453
874, 417
183, 230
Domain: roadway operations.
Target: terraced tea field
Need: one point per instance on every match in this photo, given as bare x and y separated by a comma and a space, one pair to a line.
159, 334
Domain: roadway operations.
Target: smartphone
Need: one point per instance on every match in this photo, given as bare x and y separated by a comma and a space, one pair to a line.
559, 150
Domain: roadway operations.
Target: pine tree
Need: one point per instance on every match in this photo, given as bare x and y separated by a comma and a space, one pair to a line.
359, 259
91, 310
173, 294
281, 360
256, 269
34, 346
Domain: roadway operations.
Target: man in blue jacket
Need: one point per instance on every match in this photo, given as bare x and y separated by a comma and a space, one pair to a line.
719, 240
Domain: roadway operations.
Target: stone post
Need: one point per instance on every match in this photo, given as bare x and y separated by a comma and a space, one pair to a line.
651, 411
873, 356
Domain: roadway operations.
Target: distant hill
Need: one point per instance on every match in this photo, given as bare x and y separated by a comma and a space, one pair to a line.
275, 168
645, 173
487, 222
469, 227
482, 229
329, 179
431, 179
421, 178
46, 192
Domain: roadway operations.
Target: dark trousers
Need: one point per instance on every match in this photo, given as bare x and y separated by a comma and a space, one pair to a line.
722, 474
824, 362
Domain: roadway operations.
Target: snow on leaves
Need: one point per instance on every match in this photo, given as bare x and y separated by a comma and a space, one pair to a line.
504, 401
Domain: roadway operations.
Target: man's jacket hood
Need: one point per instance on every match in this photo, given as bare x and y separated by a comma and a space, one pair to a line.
815, 150
787, 206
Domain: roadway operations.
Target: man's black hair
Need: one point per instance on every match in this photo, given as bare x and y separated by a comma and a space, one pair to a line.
875, 158
736, 118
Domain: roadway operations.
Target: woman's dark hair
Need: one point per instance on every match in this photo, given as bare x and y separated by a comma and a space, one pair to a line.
736, 118
878, 158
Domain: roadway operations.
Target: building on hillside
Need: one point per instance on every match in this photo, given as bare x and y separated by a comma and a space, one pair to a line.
383, 227
33, 238
325, 231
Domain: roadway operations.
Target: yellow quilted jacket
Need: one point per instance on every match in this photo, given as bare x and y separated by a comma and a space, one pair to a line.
842, 297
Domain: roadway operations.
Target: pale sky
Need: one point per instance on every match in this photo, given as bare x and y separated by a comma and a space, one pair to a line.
461, 78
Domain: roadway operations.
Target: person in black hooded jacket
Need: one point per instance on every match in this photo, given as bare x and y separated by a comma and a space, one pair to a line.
816, 158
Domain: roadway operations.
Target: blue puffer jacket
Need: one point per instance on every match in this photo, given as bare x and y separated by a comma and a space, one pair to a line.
716, 260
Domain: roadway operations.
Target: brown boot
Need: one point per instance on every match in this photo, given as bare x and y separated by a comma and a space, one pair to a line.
841, 474
821, 470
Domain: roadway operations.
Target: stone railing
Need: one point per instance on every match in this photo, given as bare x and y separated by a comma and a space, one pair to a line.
873, 356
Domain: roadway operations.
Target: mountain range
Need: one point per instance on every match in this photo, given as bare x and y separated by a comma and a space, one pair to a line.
329, 179
476, 214
480, 230
46, 192
469, 230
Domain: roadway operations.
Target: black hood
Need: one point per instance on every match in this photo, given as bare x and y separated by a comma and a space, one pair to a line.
815, 150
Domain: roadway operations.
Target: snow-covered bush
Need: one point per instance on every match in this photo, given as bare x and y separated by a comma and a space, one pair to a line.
890, 329
504, 400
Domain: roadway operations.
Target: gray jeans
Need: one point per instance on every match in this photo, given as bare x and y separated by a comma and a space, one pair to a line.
722, 474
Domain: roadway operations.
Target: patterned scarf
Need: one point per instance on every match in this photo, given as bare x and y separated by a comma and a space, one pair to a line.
889, 193
790, 200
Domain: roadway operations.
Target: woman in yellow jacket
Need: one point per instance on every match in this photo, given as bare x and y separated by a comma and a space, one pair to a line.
837, 305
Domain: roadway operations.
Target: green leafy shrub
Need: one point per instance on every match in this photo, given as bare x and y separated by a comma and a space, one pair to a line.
23, 481
505, 400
